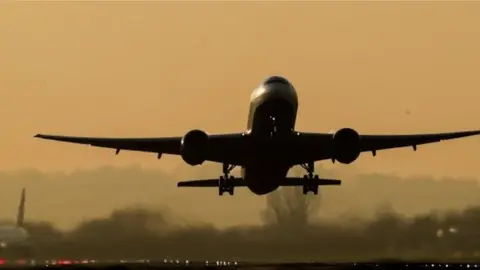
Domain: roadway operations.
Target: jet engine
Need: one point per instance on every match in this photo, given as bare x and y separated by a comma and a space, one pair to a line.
194, 147
346, 145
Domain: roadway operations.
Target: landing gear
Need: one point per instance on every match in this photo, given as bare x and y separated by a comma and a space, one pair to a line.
225, 182
310, 178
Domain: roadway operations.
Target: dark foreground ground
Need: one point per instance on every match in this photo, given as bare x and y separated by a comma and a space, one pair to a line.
234, 265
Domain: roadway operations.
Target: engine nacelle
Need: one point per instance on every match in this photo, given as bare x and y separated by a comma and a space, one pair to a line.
194, 147
346, 145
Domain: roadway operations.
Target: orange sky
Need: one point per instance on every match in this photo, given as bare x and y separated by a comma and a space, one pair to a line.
160, 69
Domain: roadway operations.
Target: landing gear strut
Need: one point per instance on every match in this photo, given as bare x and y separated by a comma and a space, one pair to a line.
309, 178
225, 182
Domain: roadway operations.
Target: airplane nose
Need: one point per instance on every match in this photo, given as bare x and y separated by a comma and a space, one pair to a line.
276, 87
276, 80
280, 91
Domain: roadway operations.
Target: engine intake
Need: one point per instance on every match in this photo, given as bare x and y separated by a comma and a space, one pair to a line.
194, 147
346, 145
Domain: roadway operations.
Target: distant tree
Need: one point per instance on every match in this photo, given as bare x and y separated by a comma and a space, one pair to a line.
288, 207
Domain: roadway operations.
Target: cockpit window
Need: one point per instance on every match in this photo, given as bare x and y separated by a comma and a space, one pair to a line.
276, 79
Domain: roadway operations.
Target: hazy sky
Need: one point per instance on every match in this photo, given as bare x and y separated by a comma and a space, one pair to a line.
161, 69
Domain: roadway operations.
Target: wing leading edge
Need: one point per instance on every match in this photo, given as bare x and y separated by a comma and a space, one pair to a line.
317, 146
233, 148
222, 147
382, 142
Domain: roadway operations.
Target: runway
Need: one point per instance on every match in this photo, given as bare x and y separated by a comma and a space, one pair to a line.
170, 264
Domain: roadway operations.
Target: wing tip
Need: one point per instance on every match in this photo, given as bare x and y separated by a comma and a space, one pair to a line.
39, 136
472, 132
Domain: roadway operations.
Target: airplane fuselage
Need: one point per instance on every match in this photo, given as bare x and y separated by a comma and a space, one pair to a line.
14, 240
271, 119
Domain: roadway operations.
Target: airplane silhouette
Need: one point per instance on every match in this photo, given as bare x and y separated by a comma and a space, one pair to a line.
15, 238
268, 148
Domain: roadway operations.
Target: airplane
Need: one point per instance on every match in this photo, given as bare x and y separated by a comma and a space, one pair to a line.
268, 148
14, 238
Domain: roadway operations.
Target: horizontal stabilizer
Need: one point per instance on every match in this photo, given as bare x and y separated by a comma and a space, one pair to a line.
238, 182
300, 181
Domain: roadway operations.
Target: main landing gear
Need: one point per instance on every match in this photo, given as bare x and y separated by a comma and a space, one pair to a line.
225, 182
310, 177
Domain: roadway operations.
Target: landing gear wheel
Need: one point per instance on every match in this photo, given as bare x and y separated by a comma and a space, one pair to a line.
307, 187
310, 178
225, 183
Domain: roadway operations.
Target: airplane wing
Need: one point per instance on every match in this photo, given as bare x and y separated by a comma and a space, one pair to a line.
233, 148
382, 142
317, 146
226, 148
